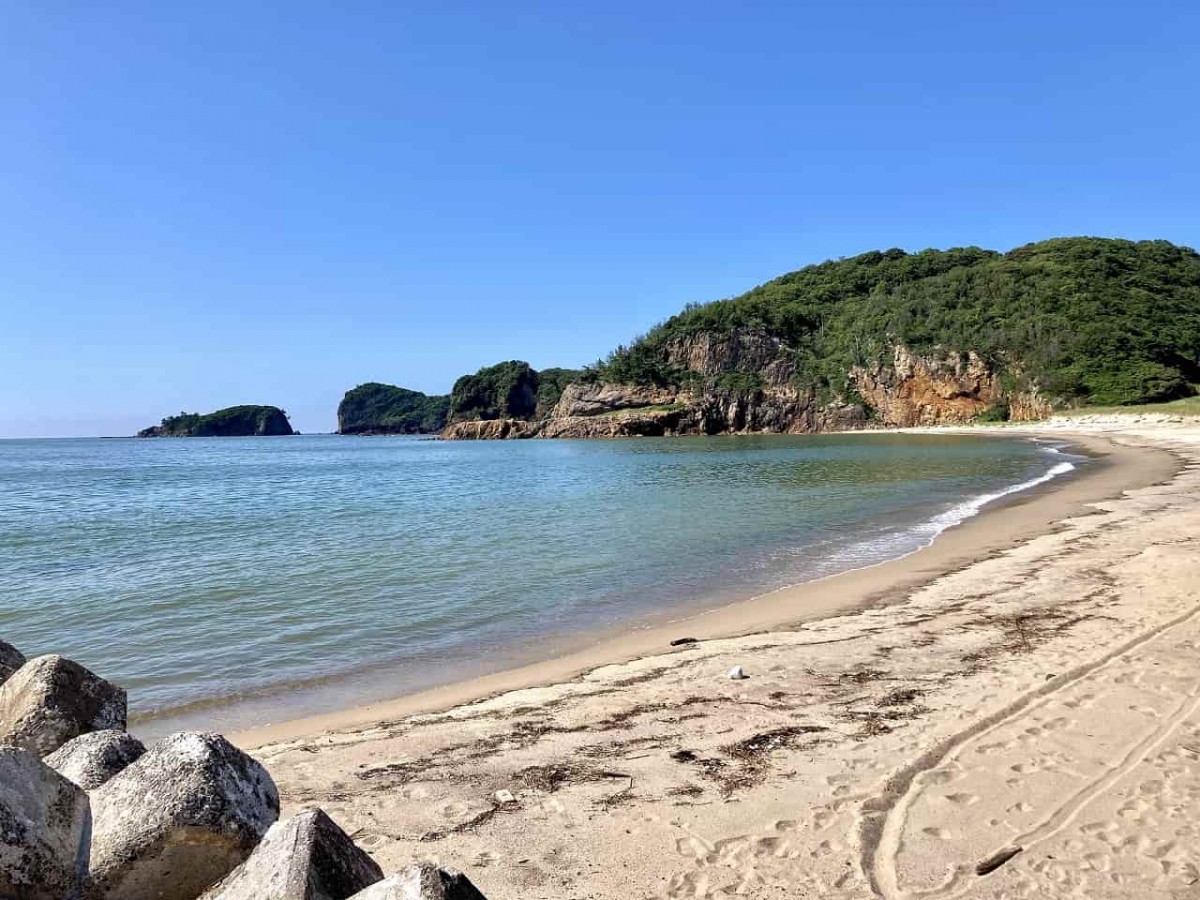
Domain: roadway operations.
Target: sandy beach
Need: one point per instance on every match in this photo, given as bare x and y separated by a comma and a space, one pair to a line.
1010, 712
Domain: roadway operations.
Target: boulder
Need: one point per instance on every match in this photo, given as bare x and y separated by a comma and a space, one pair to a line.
50, 700
179, 819
44, 823
423, 881
11, 659
306, 857
91, 759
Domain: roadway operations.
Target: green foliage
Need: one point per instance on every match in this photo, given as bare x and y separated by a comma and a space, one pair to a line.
997, 412
1088, 319
507, 390
739, 382
233, 421
641, 362
376, 408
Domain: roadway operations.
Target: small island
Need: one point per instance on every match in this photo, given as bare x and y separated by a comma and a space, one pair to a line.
233, 421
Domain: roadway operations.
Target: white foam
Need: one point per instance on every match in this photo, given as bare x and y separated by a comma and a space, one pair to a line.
959, 513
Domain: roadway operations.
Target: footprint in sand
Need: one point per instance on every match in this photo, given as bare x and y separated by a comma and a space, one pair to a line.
940, 833
962, 799
693, 847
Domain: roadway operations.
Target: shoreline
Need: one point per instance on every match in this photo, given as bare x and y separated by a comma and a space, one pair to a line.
1000, 525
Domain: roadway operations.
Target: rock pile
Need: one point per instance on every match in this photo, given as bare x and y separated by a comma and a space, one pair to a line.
88, 813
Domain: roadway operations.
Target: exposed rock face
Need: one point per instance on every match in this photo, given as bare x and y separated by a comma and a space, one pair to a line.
306, 857
423, 881
44, 824
11, 659
490, 430
92, 759
50, 700
1029, 406
949, 390
579, 400
179, 819
742, 350
747, 381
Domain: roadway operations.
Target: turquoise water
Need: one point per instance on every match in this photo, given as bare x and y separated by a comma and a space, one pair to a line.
203, 570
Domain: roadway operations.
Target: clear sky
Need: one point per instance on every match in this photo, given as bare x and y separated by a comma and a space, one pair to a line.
213, 203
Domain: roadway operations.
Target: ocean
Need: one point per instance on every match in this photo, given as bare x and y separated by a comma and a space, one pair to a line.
231, 582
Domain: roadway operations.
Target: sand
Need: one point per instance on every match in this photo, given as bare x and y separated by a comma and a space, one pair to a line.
1012, 712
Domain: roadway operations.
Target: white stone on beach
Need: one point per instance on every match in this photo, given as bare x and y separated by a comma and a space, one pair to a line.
43, 830
737, 674
51, 699
91, 759
422, 881
179, 819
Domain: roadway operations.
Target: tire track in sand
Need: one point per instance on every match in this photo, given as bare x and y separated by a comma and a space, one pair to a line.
885, 817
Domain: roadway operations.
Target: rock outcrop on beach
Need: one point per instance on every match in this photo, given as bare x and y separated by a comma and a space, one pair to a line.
93, 758
102, 818
51, 699
233, 421
44, 822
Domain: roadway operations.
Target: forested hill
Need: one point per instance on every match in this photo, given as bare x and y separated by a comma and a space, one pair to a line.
1084, 320
233, 421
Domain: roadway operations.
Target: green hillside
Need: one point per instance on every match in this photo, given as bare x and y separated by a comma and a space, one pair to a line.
1089, 320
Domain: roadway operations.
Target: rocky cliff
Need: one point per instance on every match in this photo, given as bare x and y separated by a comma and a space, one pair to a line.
747, 382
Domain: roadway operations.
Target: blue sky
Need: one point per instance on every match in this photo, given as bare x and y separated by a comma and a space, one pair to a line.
208, 204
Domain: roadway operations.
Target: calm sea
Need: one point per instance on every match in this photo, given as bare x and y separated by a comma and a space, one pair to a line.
199, 571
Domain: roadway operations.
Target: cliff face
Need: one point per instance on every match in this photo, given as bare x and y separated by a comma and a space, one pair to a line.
746, 382
233, 421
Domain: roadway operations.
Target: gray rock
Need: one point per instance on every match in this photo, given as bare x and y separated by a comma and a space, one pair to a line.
50, 700
422, 881
11, 659
179, 819
91, 759
306, 857
44, 826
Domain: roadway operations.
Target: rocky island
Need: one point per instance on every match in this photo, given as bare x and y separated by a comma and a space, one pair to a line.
233, 421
